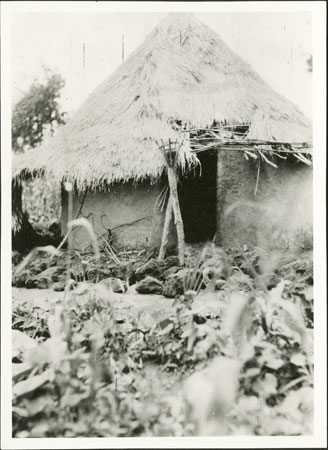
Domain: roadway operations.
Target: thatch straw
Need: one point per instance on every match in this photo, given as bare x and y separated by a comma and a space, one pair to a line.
182, 72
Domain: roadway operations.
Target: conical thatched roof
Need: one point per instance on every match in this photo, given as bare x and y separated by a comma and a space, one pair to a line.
182, 72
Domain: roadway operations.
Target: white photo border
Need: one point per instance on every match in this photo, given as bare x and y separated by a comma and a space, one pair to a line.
318, 11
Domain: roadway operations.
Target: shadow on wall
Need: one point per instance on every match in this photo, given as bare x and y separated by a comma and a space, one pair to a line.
280, 218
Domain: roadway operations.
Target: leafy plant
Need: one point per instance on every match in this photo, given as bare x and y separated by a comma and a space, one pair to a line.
96, 368
36, 111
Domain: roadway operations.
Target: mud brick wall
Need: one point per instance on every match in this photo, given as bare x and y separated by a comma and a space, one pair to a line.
123, 204
278, 216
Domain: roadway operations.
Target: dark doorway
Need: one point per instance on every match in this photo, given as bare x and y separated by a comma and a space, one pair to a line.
197, 195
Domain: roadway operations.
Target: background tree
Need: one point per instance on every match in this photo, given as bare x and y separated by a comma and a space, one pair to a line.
34, 115
37, 111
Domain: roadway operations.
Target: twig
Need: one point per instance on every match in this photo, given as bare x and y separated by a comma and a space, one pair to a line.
302, 158
292, 384
110, 251
257, 177
266, 160
82, 202
131, 223
252, 155
63, 241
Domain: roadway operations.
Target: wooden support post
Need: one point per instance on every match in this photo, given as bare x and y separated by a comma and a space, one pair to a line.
70, 217
166, 229
69, 189
173, 183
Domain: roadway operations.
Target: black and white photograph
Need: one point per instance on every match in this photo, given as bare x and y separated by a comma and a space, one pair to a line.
163, 224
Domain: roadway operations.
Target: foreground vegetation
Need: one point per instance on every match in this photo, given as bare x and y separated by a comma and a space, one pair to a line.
88, 367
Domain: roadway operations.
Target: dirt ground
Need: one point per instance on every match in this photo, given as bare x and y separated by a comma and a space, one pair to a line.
153, 304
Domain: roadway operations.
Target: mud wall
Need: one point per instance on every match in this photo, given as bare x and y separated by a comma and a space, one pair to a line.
278, 216
126, 209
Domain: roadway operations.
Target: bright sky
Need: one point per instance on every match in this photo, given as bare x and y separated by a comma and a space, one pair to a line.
276, 45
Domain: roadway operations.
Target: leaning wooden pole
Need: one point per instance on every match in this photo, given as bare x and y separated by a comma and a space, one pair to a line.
69, 190
170, 153
173, 183
166, 229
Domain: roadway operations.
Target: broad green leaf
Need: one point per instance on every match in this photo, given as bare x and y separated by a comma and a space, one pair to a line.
274, 363
20, 370
20, 411
56, 348
82, 288
36, 356
247, 404
308, 293
279, 426
53, 351
270, 358
292, 317
188, 331
166, 330
73, 399
233, 316
31, 384
39, 404
298, 404
40, 429
212, 391
267, 386
298, 359
253, 372
164, 322
98, 339
276, 293
246, 351
21, 342
202, 347
146, 322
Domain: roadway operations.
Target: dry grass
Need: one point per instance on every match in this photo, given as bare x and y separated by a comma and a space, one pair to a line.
182, 72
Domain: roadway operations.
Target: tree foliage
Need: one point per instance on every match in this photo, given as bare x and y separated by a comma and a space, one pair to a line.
37, 111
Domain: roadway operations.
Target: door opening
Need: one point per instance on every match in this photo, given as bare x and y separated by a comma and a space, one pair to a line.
197, 196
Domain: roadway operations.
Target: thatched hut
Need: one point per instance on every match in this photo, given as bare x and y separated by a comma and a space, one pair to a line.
185, 86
